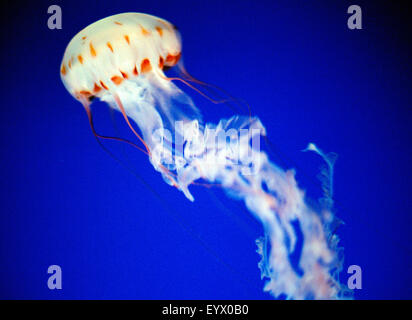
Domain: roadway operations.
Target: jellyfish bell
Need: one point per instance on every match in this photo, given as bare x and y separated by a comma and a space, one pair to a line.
116, 48
120, 59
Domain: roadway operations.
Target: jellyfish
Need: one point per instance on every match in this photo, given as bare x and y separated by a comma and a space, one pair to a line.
122, 60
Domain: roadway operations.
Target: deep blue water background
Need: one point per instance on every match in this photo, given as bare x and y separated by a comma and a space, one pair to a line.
307, 76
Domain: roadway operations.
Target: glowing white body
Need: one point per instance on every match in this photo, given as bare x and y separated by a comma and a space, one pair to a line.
156, 104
